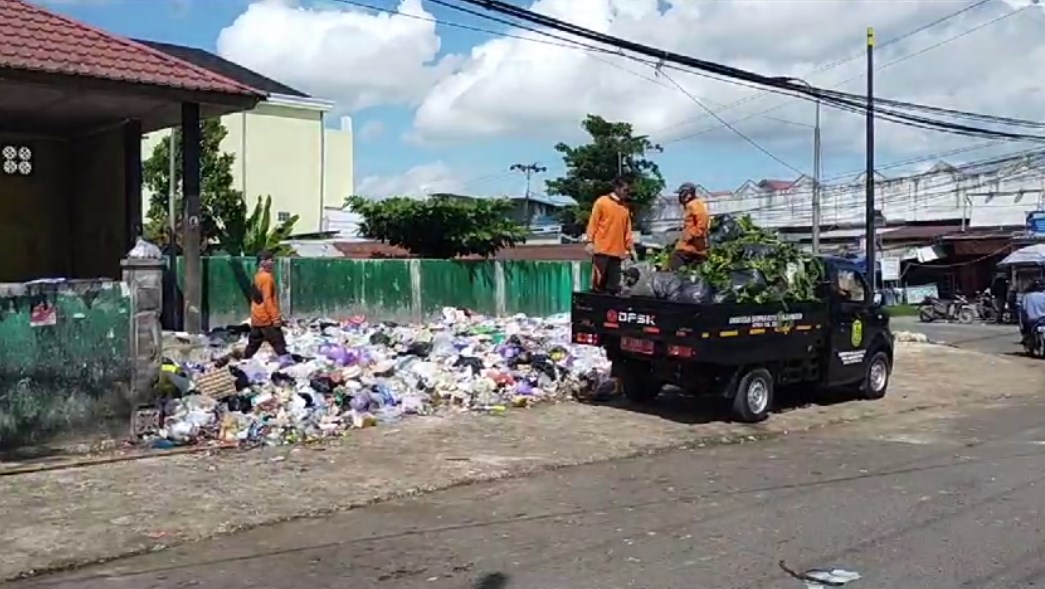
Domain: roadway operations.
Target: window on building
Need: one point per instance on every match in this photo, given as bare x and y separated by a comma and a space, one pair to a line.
850, 285
16, 160
282, 216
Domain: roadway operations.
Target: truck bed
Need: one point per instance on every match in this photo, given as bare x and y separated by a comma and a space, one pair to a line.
713, 333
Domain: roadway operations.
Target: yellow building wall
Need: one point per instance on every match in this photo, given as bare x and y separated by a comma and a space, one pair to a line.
278, 152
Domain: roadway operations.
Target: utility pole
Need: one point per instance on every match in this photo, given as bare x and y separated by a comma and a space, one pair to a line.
529, 170
869, 180
816, 181
172, 226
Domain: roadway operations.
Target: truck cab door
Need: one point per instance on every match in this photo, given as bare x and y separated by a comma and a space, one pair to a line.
851, 328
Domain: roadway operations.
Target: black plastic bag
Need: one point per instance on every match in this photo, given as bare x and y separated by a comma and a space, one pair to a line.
694, 292
638, 281
419, 349
666, 285
322, 384
747, 282
725, 228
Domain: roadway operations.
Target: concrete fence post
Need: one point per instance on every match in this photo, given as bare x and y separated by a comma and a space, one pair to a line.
575, 267
283, 276
416, 308
144, 280
500, 289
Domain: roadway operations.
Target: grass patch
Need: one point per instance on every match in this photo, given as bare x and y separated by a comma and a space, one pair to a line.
902, 311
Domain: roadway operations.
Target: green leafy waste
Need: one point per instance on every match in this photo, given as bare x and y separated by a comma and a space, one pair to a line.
738, 246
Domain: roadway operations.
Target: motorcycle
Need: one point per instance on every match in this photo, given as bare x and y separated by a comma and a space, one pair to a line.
985, 308
960, 310
1034, 342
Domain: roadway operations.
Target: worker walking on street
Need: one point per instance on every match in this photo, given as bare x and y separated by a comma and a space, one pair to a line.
692, 247
609, 237
266, 321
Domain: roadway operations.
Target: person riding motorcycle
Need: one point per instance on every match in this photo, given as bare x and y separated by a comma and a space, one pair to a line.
1032, 309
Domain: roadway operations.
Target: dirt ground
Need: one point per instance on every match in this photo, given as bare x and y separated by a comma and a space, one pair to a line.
66, 517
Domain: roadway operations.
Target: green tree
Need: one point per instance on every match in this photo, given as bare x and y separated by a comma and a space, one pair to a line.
591, 168
218, 199
240, 235
440, 226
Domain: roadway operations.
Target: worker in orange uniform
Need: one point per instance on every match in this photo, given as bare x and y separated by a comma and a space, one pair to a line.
266, 321
692, 247
609, 238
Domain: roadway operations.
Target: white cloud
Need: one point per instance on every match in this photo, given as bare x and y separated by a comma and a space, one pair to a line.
357, 58
416, 182
371, 130
512, 87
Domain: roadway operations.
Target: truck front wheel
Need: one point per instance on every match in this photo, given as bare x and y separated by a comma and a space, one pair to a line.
876, 377
753, 399
637, 382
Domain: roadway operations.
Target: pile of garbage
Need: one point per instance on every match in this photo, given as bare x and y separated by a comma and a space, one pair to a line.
342, 375
745, 264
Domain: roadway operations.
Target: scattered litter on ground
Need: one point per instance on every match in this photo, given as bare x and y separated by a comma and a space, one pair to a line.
910, 336
822, 578
343, 375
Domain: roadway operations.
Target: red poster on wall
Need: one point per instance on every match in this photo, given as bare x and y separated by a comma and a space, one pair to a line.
43, 314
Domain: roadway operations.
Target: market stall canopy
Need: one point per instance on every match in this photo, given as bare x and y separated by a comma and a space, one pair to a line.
1030, 255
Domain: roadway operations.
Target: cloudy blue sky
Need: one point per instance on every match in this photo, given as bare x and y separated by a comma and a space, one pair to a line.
436, 106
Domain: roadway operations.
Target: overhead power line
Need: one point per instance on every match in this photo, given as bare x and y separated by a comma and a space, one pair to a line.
836, 99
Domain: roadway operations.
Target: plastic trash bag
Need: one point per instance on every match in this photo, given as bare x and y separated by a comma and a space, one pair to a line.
725, 228
694, 292
639, 282
742, 283
144, 250
666, 285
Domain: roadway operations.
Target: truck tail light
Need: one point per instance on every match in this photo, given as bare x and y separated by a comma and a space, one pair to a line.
590, 339
680, 351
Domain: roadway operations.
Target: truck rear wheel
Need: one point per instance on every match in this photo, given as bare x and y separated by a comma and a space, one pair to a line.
637, 382
876, 377
753, 399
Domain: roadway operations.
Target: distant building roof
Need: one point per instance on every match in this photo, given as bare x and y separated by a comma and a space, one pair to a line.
220, 65
775, 185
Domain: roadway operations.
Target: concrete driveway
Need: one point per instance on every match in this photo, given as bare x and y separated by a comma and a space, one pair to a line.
980, 337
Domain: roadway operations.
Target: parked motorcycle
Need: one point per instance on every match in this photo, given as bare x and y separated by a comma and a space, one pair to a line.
985, 308
935, 309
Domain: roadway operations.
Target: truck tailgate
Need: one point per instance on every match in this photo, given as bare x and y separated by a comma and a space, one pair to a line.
716, 333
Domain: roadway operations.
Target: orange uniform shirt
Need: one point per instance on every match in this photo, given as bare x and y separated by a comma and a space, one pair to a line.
264, 306
695, 227
609, 227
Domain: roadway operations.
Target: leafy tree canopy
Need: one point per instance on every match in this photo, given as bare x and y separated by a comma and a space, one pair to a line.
440, 226
218, 198
591, 168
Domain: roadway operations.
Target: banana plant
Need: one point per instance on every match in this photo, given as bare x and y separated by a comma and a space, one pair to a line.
242, 235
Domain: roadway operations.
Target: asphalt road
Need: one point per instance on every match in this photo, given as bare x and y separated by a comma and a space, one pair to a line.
981, 337
922, 501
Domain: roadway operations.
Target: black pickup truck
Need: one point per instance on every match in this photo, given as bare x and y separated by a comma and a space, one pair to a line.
743, 352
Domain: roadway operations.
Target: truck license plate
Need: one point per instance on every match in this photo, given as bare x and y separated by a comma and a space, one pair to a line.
638, 346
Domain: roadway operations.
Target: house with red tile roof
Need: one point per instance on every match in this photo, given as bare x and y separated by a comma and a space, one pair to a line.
74, 103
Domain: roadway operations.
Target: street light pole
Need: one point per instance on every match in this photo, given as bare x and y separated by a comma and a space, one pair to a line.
529, 170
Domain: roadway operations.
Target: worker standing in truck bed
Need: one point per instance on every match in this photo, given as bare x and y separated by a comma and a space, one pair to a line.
609, 238
692, 247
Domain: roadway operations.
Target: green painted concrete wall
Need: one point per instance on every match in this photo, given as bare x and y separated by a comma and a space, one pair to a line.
68, 378
399, 290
